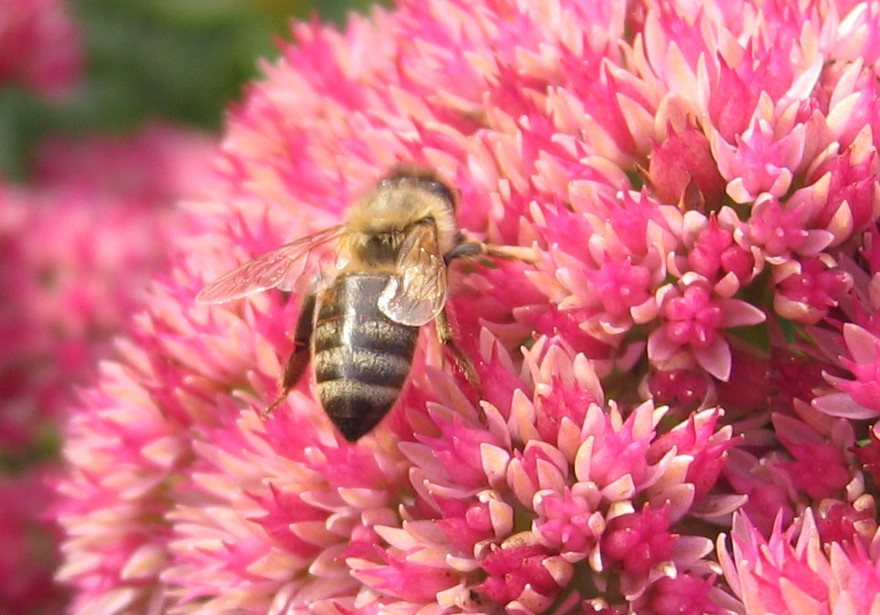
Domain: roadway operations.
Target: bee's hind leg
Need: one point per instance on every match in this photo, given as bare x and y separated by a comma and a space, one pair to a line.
302, 350
446, 336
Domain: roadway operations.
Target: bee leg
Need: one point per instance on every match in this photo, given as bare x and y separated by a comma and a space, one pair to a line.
299, 358
444, 332
464, 363
470, 249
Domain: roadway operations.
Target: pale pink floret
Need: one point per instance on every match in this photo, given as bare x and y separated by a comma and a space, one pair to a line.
694, 321
781, 233
807, 290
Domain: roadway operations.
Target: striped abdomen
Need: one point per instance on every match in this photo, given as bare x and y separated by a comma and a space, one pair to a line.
361, 356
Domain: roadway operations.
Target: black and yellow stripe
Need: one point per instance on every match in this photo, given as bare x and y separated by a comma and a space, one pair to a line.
361, 356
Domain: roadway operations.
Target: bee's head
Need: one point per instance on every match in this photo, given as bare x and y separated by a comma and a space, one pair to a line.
421, 178
406, 197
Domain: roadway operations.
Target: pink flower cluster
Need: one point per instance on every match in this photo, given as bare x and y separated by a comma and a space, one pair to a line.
81, 251
78, 257
672, 392
78, 244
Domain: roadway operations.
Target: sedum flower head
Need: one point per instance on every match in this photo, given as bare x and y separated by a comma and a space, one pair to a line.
693, 337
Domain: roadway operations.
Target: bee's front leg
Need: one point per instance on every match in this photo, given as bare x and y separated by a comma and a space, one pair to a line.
302, 351
468, 248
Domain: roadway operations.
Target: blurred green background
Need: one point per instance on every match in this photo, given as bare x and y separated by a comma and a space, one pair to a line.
177, 60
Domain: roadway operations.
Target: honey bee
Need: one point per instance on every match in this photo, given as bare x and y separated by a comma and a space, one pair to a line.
360, 330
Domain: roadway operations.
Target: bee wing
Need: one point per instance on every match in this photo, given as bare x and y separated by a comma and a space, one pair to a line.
417, 292
270, 270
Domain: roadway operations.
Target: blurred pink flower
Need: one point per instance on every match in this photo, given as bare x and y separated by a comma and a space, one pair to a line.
39, 45
30, 544
78, 256
153, 168
699, 189
77, 259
